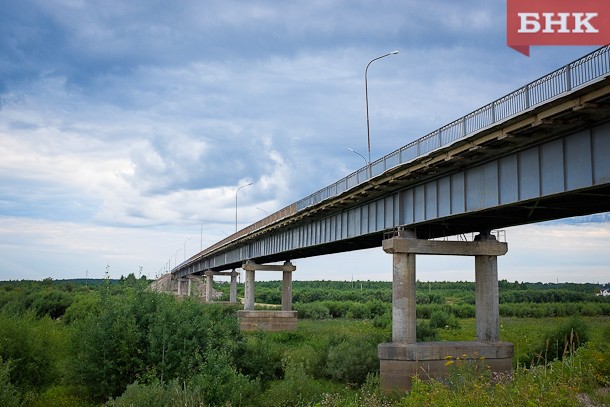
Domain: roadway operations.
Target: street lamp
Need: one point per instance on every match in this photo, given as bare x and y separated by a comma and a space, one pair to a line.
366, 90
243, 186
366, 163
262, 210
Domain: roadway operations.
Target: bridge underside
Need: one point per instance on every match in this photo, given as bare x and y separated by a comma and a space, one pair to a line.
539, 210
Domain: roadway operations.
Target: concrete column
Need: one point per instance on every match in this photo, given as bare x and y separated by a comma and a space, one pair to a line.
404, 321
487, 299
249, 291
287, 290
189, 287
233, 288
179, 286
209, 281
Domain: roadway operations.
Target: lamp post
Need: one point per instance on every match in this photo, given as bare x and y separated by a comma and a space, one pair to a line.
366, 163
262, 210
366, 90
243, 186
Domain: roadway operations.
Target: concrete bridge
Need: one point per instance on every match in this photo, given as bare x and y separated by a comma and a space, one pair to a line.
536, 154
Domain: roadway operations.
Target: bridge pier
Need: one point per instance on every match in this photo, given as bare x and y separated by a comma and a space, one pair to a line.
179, 282
404, 358
189, 288
209, 281
284, 320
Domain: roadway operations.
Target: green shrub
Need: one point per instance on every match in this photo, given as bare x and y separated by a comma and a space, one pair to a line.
443, 319
8, 392
31, 346
297, 388
82, 307
261, 358
153, 394
314, 310
351, 360
383, 321
337, 309
426, 333
51, 303
220, 383
358, 311
377, 308
143, 335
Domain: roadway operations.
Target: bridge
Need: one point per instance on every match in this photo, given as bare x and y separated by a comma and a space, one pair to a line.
536, 154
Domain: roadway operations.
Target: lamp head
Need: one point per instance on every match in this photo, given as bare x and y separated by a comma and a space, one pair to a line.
394, 52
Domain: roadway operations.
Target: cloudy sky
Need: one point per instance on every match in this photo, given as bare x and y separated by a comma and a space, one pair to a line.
126, 127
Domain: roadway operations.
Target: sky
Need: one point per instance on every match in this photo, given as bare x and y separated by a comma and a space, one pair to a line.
126, 127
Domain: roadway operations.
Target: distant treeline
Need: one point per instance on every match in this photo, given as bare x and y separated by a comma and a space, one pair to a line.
71, 281
461, 292
373, 299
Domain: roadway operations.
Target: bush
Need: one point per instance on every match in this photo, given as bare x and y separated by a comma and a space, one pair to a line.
140, 335
153, 394
297, 388
442, 319
351, 360
314, 310
358, 311
261, 359
31, 347
8, 392
220, 384
377, 308
426, 333
337, 309
216, 385
52, 303
383, 321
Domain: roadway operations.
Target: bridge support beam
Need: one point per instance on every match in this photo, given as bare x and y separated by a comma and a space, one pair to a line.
251, 320
404, 358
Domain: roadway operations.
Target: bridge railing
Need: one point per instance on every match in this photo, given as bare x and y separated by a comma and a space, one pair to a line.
585, 70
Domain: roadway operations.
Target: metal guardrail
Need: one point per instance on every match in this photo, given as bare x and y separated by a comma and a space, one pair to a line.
566, 79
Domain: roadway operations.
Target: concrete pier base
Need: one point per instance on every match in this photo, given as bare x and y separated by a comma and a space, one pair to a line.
270, 321
404, 358
400, 362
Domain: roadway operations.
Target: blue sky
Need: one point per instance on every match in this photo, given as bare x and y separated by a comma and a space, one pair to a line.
126, 127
